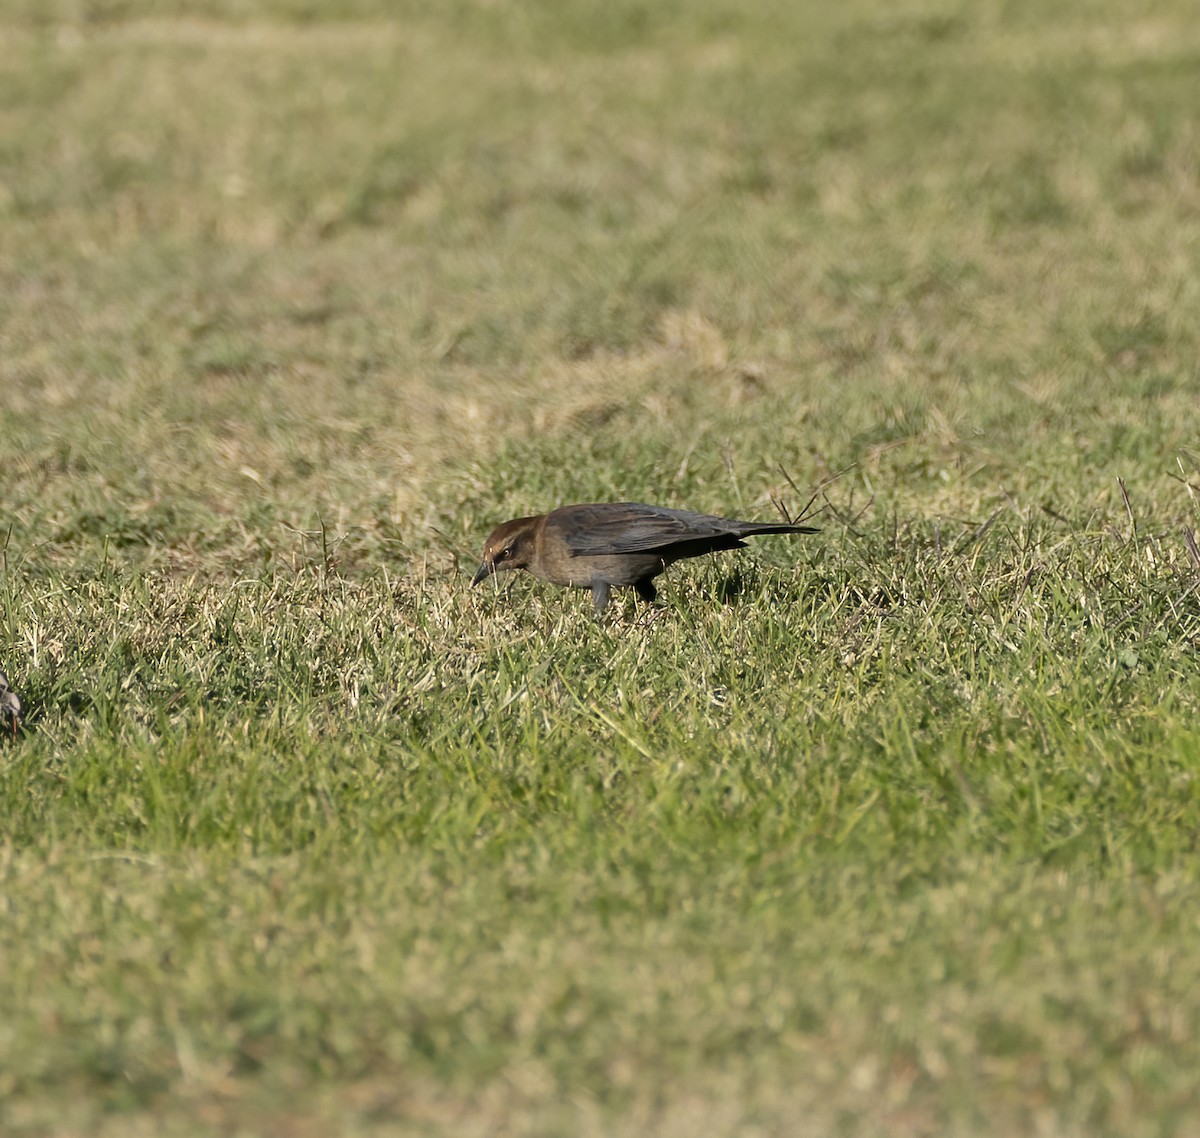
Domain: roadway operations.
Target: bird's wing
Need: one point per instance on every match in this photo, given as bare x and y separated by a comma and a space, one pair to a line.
631, 527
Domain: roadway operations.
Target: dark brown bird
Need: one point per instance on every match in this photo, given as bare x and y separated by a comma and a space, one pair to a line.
612, 543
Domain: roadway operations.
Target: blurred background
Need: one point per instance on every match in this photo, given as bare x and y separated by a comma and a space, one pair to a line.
401, 265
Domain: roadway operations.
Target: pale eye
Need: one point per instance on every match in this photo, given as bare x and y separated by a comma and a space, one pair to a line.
504, 553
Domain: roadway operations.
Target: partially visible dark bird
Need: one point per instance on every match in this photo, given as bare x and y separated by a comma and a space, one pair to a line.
10, 705
613, 543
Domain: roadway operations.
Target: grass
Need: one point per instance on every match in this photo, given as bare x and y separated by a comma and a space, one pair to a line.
892, 829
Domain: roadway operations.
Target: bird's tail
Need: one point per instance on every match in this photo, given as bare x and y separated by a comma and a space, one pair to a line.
751, 529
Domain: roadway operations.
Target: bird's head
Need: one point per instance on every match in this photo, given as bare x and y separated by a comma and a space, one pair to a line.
509, 546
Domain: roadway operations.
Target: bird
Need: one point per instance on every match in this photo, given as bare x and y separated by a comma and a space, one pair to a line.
10, 705
604, 544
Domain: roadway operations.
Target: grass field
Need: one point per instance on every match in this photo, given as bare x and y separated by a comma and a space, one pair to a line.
890, 830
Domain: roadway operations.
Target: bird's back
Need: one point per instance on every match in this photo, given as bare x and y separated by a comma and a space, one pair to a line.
635, 527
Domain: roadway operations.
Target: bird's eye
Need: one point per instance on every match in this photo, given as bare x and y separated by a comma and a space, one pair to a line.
507, 552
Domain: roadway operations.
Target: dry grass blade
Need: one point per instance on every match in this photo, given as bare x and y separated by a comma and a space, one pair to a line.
980, 531
1189, 540
1128, 509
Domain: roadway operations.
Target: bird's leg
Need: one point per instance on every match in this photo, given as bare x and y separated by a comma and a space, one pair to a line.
646, 590
600, 595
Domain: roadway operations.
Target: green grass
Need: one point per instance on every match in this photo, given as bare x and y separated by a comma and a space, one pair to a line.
893, 829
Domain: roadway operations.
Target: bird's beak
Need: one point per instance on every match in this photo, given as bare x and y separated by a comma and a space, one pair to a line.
483, 572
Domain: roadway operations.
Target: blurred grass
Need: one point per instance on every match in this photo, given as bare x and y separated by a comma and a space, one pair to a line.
891, 829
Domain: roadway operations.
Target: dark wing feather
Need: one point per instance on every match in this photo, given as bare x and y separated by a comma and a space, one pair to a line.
633, 527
